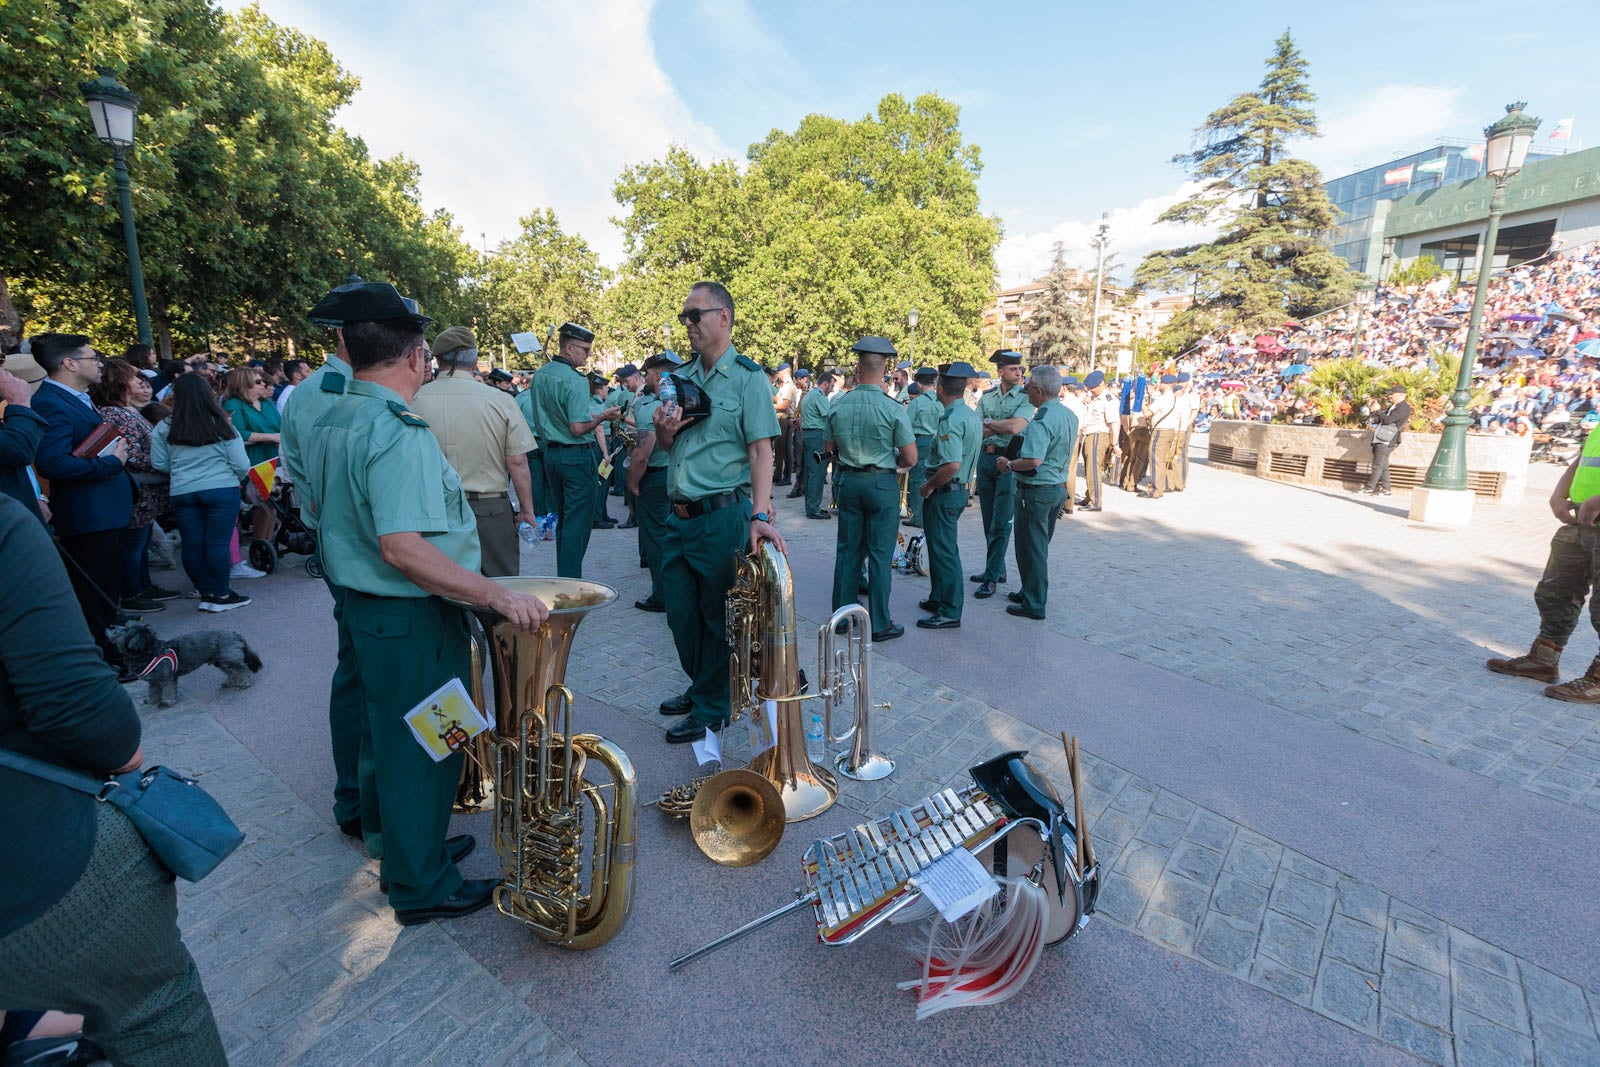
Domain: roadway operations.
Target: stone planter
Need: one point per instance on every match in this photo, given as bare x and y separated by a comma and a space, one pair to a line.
1497, 467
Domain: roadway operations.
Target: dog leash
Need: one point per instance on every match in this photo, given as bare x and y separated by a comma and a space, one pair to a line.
62, 551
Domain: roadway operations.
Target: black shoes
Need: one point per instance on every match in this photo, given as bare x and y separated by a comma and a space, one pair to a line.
782, 481
796, 491
647, 604
1015, 598
1021, 612
1082, 502
1088, 507
981, 578
351, 828
985, 591
606, 523
678, 705
939, 622
627, 525
474, 894
894, 631
818, 515
928, 605
687, 731
141, 605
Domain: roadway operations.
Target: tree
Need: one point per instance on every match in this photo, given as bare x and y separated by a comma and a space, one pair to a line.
1058, 322
834, 230
1269, 261
1419, 271
541, 278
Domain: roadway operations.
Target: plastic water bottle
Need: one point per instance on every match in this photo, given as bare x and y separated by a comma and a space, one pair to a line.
667, 391
526, 531
814, 739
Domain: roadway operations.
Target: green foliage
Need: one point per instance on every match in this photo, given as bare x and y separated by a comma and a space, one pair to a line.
1340, 388
835, 230
1058, 325
1269, 262
542, 278
1419, 271
250, 201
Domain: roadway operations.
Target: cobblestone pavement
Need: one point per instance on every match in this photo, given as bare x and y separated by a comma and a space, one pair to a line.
304, 964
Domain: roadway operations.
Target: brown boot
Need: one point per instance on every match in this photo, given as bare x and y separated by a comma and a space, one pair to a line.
1542, 663
1584, 690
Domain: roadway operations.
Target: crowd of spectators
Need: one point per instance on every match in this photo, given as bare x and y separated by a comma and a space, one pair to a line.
1538, 364
126, 461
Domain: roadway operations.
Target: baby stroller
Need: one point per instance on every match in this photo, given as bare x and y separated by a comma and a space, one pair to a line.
1560, 444
290, 533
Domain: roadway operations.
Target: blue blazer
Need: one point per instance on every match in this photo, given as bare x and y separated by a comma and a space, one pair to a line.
86, 495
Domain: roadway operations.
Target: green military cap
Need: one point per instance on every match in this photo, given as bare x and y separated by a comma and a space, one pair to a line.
667, 360
959, 369
1005, 357
875, 345
367, 302
926, 374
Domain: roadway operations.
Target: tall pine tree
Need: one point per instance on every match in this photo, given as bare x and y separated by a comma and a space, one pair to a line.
1270, 261
1057, 324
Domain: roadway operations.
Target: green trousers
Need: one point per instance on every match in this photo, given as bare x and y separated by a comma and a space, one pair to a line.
919, 474
346, 722
940, 514
110, 950
697, 559
816, 471
997, 495
869, 519
600, 484
651, 511
1571, 576
536, 482
407, 647
570, 482
1037, 511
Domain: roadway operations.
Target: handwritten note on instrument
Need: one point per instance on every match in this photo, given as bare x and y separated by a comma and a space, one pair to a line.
955, 884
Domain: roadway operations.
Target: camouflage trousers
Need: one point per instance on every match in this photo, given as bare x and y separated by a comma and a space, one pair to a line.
1570, 575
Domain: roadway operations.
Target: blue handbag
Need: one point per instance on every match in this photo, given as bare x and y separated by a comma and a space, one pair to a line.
184, 826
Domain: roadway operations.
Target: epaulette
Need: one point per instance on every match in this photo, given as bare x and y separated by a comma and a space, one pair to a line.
406, 415
749, 364
333, 382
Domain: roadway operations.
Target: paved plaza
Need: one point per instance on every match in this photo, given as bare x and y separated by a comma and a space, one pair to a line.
1329, 834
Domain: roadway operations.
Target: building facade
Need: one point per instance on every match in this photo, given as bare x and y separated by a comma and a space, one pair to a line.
1121, 323
1362, 198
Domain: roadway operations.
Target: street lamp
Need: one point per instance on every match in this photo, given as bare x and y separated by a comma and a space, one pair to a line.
112, 107
911, 345
1099, 243
1444, 496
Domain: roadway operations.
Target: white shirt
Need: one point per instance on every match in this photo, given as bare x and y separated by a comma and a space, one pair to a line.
1161, 410
283, 398
1100, 414
1070, 400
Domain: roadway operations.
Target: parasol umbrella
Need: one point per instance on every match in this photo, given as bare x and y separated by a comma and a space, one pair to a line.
1244, 350
1294, 370
1590, 348
1339, 327
1459, 309
1502, 335
1526, 353
1562, 313
1439, 322
1523, 316
1292, 325
1233, 383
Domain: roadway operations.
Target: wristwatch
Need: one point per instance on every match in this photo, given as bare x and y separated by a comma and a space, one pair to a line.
760, 516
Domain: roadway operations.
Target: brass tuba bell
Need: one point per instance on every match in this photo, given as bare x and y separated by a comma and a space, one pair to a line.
737, 818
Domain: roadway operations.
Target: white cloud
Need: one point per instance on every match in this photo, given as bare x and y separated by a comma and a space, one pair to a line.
1133, 232
1389, 121
512, 108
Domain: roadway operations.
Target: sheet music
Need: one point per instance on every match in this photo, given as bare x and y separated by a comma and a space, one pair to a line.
955, 884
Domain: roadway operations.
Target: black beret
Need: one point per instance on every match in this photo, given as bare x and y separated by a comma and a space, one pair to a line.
926, 374
1005, 357
627, 370
668, 359
571, 331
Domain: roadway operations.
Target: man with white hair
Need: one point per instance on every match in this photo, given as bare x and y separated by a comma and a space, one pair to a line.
1049, 442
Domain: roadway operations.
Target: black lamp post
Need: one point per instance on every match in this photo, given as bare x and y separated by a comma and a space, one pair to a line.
1504, 154
113, 107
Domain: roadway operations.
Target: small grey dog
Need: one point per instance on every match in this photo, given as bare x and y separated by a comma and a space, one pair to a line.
169, 659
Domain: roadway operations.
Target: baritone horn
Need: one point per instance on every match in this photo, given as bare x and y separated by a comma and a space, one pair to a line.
547, 805
843, 675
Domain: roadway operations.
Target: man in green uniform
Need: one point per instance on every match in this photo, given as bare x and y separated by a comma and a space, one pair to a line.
1005, 411
561, 406
311, 400
397, 536
600, 447
899, 389
925, 410
814, 407
952, 455
721, 468
1048, 445
871, 434
540, 502
630, 386
1571, 576
647, 475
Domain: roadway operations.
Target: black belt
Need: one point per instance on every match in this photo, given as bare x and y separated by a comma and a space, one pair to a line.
865, 470
474, 495
992, 449
381, 596
948, 487
693, 509
563, 444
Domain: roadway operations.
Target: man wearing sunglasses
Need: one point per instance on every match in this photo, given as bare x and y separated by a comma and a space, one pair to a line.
562, 408
719, 485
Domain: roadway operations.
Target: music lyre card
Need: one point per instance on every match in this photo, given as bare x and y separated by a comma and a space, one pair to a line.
446, 720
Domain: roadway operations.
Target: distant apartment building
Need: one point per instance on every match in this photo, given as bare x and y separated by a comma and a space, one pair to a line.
1120, 324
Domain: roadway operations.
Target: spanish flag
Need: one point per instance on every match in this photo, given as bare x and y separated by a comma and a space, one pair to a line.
263, 475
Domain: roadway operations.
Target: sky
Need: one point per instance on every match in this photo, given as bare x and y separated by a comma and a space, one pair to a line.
513, 105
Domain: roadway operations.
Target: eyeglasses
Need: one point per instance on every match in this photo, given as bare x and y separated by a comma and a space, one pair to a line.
694, 315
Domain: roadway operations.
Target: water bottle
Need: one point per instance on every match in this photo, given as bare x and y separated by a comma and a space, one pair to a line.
667, 391
815, 747
527, 533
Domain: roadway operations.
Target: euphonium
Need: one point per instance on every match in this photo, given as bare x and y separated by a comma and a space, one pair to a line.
842, 674
764, 667
541, 793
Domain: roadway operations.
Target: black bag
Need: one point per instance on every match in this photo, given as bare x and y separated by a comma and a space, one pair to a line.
1385, 434
184, 826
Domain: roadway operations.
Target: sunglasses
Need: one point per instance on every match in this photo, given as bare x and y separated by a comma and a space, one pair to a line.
694, 315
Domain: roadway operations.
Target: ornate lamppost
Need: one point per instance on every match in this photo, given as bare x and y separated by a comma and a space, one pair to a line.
113, 107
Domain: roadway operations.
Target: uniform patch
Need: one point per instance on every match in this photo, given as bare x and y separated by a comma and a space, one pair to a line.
748, 363
406, 415
333, 382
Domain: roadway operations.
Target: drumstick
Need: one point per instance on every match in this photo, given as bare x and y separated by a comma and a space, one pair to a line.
1088, 842
1071, 747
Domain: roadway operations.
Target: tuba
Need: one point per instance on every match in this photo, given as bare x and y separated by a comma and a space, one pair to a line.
475, 791
544, 806
842, 674
765, 666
